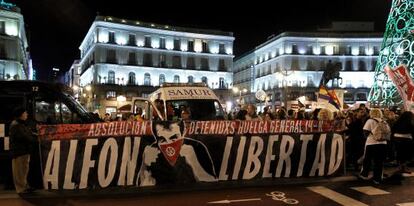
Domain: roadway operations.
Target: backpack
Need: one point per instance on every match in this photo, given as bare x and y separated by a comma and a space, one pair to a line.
382, 131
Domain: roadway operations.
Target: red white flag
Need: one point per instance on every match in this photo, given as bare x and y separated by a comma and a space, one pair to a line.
405, 86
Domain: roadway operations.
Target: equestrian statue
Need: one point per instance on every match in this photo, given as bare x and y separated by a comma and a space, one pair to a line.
331, 72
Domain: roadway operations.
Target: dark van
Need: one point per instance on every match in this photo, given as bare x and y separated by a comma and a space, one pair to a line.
46, 103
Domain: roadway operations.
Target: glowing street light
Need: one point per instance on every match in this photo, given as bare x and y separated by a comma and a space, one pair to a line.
88, 88
119, 99
240, 91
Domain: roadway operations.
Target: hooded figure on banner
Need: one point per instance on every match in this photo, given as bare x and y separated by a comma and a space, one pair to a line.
174, 158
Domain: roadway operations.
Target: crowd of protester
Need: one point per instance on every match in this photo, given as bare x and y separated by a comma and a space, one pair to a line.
362, 149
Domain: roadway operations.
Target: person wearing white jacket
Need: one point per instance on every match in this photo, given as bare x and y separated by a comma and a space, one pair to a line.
375, 150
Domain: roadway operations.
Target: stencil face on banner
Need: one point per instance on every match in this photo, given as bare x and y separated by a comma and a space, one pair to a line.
170, 138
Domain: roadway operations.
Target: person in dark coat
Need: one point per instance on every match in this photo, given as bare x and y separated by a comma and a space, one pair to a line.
241, 115
21, 141
356, 140
402, 137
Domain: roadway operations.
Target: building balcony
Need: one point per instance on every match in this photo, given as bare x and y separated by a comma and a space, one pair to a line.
160, 65
149, 48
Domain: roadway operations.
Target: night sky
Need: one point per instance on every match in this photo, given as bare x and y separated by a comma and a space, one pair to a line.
57, 27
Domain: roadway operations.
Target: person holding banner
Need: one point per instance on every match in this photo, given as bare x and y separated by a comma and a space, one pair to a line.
251, 113
325, 115
21, 141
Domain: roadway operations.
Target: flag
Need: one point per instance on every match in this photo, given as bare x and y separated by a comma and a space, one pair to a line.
400, 76
301, 101
329, 96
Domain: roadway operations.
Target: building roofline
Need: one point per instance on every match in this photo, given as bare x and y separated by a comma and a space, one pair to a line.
162, 26
244, 55
316, 34
203, 33
324, 34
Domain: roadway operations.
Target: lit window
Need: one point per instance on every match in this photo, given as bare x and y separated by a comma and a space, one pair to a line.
131, 78
369, 51
147, 79
120, 39
229, 50
110, 110
281, 51
161, 79
329, 50
103, 37
110, 94
288, 49
111, 77
355, 51
316, 50
198, 46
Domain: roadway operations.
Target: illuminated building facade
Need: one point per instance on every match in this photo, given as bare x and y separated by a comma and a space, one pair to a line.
291, 64
15, 61
131, 58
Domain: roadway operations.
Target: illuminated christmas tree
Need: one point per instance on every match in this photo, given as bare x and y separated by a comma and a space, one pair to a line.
397, 48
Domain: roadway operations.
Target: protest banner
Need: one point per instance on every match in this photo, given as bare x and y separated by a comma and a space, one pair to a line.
137, 154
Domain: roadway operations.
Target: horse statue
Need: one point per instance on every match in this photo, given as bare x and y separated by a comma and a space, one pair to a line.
331, 73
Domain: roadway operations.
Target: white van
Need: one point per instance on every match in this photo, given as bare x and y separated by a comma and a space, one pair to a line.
171, 99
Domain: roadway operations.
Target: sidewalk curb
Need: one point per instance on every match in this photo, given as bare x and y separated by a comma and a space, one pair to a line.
145, 191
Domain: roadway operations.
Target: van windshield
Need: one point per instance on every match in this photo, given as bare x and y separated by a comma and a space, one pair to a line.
87, 117
194, 109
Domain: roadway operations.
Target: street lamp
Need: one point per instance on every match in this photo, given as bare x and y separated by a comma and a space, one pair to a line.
86, 93
119, 99
240, 91
283, 75
75, 90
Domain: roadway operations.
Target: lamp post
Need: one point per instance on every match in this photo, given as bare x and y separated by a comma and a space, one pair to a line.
75, 90
284, 74
240, 91
87, 93
88, 88
119, 99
